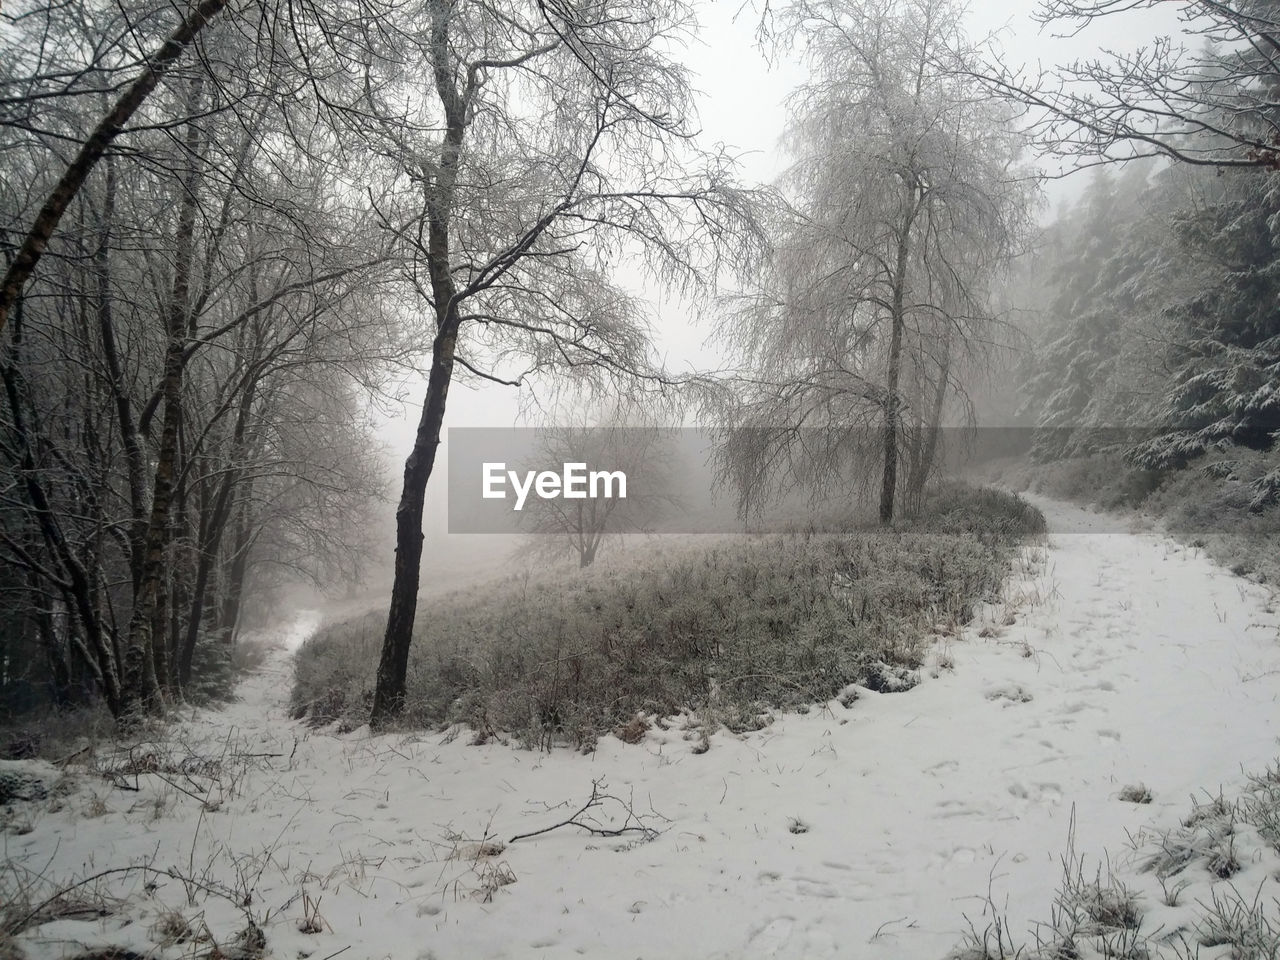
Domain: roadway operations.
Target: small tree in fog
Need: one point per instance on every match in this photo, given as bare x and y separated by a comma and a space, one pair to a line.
903, 203
580, 526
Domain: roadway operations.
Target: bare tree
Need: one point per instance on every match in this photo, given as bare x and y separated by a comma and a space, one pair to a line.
642, 454
23, 262
1207, 98
903, 202
564, 139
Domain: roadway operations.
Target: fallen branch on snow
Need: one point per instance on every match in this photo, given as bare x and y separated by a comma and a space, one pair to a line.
631, 824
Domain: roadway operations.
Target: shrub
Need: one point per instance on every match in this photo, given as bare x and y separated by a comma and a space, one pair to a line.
1106, 479
54, 734
985, 512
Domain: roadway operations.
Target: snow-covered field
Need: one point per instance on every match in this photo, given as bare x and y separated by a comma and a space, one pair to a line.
863, 831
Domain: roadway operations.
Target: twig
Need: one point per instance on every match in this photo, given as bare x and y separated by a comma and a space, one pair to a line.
71, 756
21, 922
632, 824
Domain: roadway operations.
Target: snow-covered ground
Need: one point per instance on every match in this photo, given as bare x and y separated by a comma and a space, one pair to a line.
866, 831
302, 626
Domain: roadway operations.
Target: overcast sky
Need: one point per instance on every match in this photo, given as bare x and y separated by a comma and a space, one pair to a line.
741, 106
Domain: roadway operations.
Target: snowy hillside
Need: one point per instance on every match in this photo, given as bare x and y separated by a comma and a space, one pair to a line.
881, 826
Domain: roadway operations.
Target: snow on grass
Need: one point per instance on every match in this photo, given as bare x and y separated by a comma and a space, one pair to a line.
882, 826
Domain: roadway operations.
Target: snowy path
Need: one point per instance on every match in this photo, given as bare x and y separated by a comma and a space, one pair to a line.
1130, 659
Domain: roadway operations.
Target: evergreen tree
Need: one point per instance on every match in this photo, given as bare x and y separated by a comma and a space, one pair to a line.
1225, 360
1108, 281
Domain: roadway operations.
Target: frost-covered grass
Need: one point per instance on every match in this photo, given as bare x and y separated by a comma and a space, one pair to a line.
1203, 889
728, 631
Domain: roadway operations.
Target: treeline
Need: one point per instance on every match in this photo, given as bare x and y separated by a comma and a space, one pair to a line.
1157, 291
222, 226
1161, 316
182, 420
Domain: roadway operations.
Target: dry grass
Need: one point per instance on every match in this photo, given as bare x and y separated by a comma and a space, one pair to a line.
731, 631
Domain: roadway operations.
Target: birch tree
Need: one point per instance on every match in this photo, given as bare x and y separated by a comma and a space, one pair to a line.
903, 202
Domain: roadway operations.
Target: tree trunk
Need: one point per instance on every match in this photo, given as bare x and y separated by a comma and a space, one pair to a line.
162, 624
54, 649
893, 375
213, 522
393, 667
915, 450
889, 480
33, 246
135, 462
228, 619
209, 539
934, 430
438, 190
141, 686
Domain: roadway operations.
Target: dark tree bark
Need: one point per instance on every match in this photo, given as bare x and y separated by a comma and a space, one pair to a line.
46, 222
393, 665
892, 416
141, 687
389, 695
126, 422
893, 374
228, 618
933, 430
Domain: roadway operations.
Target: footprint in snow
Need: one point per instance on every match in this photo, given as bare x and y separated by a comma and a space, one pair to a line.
958, 856
1050, 793
957, 808
772, 937
809, 887
1010, 694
